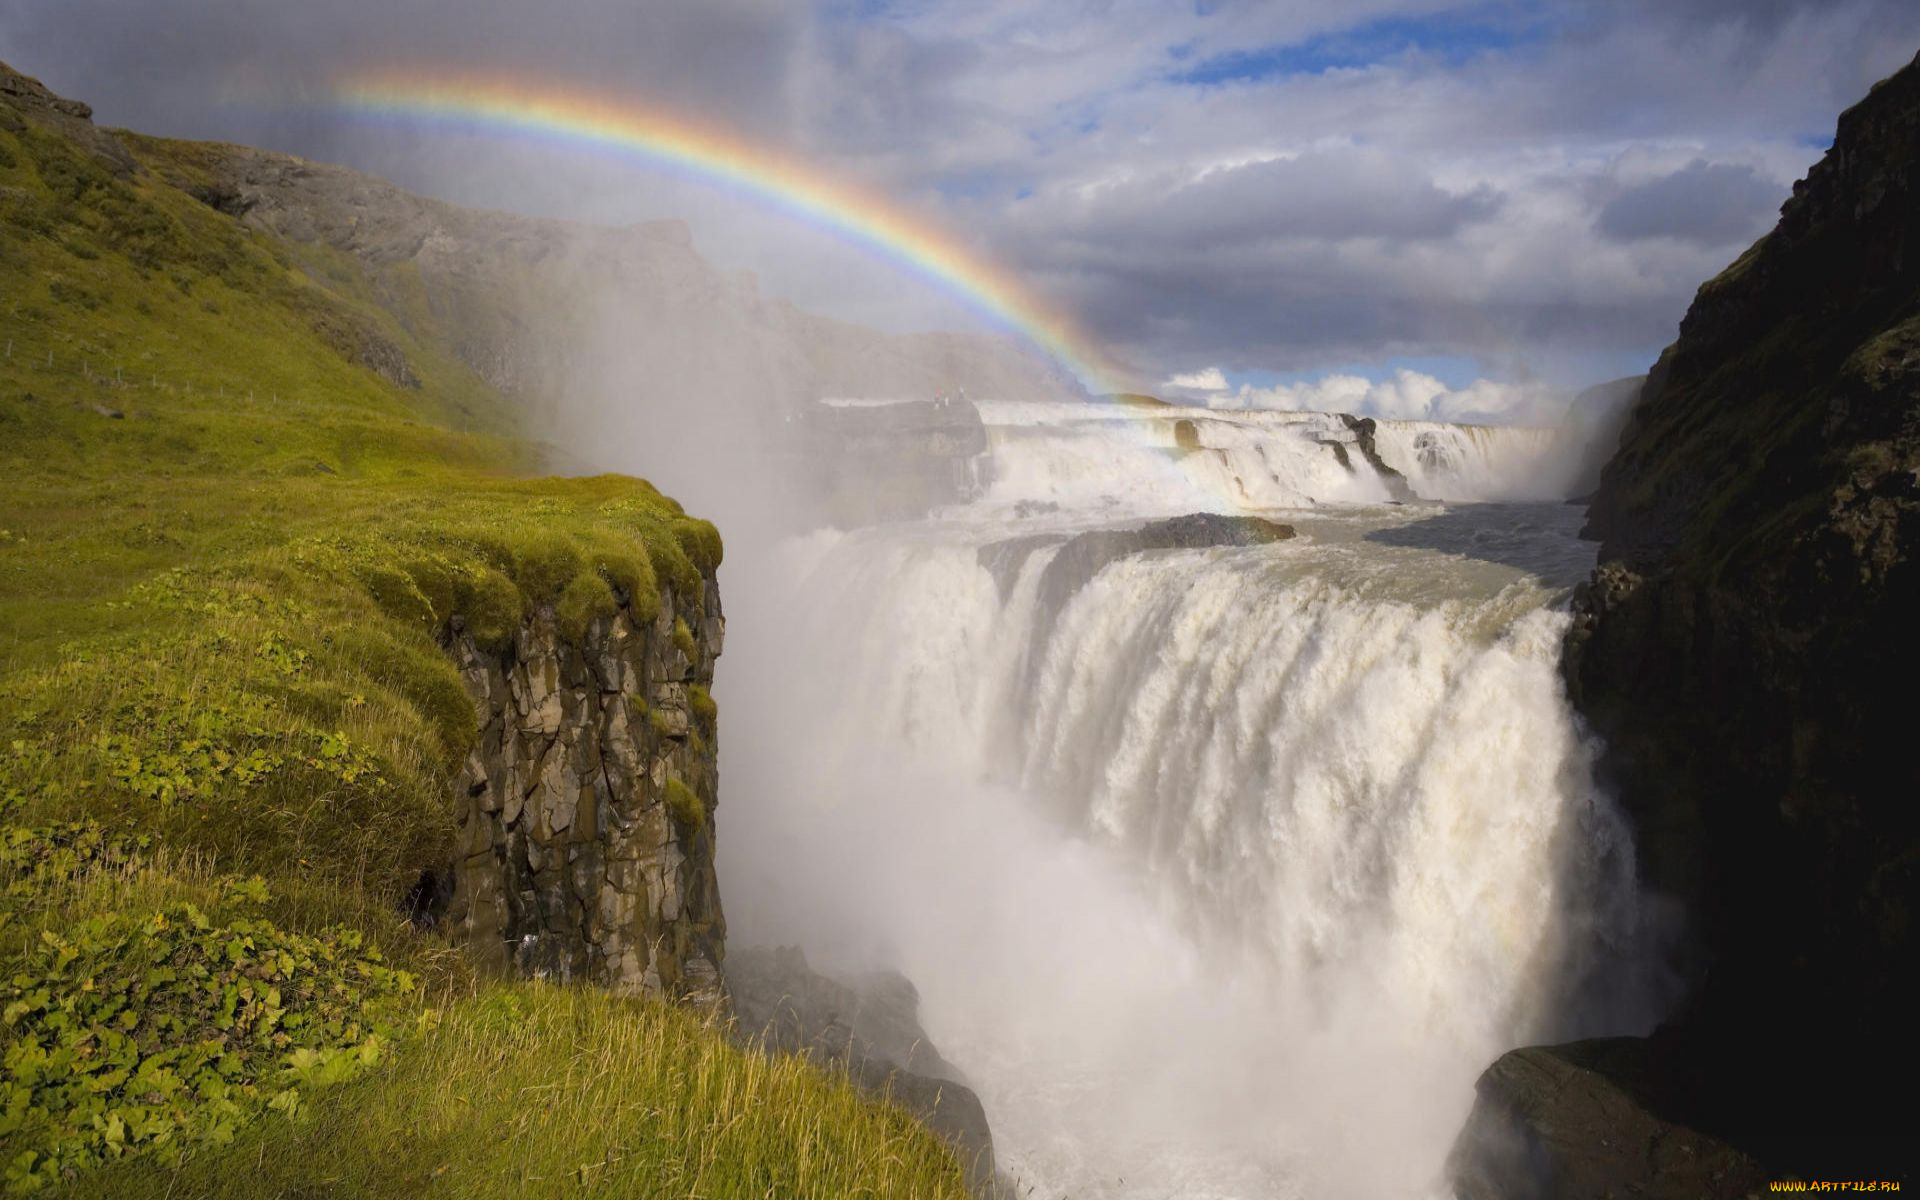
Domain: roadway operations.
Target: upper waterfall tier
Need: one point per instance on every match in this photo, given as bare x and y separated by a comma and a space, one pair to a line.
1105, 460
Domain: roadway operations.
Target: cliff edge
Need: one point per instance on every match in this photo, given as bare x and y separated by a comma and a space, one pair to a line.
1743, 647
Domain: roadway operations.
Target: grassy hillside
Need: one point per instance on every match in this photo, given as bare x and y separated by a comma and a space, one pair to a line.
244, 488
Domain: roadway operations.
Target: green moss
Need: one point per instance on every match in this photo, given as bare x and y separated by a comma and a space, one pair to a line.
545, 562
434, 580
662, 727
624, 564
706, 713
394, 590
685, 805
587, 599
683, 640
490, 604
670, 563
700, 540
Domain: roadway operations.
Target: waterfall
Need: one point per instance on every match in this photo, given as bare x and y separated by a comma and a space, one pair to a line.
1223, 873
1482, 462
1163, 460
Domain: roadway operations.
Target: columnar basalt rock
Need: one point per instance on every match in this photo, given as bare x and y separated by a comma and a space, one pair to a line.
571, 863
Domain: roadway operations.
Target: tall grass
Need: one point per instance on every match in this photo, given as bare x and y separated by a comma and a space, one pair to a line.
532, 1090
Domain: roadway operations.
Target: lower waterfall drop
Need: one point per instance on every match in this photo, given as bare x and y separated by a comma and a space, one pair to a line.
1221, 874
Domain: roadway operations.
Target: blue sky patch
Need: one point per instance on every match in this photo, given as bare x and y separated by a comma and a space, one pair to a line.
1452, 36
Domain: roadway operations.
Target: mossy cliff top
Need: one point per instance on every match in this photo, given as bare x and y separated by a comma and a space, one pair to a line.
249, 490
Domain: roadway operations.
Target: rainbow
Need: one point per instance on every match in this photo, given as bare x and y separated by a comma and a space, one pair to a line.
654, 136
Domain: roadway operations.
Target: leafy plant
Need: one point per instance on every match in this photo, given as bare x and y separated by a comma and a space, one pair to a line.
147, 1032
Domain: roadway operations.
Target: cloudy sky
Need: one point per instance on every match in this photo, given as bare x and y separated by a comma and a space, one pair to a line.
1413, 205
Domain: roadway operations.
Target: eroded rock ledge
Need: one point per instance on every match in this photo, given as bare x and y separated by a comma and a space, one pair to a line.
587, 836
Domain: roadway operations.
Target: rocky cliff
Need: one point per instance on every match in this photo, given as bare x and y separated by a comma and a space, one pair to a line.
587, 803
1744, 647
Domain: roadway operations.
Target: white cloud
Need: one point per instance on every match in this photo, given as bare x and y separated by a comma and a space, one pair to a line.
1498, 205
1210, 380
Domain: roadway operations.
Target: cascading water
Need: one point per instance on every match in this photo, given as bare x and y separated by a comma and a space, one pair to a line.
1224, 872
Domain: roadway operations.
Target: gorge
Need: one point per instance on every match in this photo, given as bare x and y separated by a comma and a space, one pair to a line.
1152, 798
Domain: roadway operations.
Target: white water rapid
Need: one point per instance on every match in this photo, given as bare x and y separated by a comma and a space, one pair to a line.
1223, 873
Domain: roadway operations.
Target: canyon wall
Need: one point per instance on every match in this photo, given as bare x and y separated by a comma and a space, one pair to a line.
1745, 647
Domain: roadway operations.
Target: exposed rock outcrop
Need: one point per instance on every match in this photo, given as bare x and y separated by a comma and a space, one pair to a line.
869, 1024
587, 836
68, 118
1364, 429
1744, 647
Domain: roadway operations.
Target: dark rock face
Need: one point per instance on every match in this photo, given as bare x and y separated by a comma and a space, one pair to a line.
1743, 647
573, 863
869, 1024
